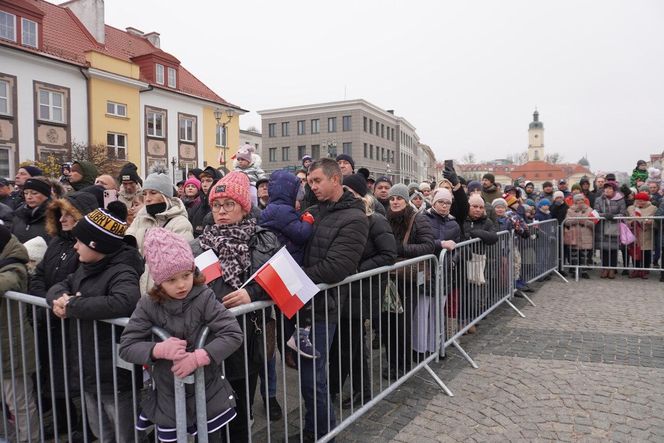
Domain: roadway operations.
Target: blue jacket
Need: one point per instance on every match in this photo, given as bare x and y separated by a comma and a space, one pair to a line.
444, 228
280, 216
540, 216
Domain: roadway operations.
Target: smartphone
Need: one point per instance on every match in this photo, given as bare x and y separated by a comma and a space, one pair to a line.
449, 165
110, 195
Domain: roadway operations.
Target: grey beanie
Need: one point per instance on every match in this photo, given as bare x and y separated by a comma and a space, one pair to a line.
159, 182
400, 190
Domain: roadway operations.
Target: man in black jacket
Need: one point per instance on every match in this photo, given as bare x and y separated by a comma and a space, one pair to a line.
334, 250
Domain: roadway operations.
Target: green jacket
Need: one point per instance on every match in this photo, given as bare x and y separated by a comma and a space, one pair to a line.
14, 277
90, 174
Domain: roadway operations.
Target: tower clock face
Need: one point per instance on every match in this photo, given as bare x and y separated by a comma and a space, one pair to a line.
536, 135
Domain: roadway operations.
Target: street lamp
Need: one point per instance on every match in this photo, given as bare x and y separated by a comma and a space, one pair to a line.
173, 169
388, 170
218, 116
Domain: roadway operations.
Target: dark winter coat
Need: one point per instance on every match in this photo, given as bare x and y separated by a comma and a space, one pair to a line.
184, 319
17, 199
559, 212
380, 250
444, 228
607, 231
542, 216
262, 246
335, 248
460, 206
482, 228
197, 216
14, 277
6, 215
309, 199
420, 241
490, 194
280, 216
90, 174
30, 222
109, 289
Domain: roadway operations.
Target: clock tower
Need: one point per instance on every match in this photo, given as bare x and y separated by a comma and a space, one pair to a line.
535, 139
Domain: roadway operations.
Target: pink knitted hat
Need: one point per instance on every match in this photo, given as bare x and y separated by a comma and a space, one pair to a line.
192, 181
235, 185
166, 254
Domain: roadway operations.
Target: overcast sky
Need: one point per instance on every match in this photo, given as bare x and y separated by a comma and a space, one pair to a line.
467, 74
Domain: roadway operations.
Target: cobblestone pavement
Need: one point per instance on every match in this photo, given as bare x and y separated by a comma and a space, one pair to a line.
587, 364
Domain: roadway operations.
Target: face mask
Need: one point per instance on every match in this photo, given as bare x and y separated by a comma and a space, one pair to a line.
156, 208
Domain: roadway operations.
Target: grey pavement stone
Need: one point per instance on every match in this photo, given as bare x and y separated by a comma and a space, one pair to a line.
587, 364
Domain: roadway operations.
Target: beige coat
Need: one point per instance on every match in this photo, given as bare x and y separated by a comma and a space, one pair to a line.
643, 230
579, 233
174, 219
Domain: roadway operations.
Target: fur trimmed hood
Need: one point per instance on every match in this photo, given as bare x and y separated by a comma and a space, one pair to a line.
77, 204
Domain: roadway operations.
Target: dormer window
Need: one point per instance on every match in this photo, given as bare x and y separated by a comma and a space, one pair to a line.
172, 78
160, 74
29, 33
7, 26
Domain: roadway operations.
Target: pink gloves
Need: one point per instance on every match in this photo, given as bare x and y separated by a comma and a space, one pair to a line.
170, 349
190, 362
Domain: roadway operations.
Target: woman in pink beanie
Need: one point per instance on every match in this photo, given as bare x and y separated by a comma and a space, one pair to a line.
242, 248
192, 194
182, 305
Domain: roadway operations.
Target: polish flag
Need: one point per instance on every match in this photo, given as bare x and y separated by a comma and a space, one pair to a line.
594, 216
286, 282
208, 264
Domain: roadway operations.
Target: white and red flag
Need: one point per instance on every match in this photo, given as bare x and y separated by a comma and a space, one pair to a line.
208, 264
594, 216
286, 282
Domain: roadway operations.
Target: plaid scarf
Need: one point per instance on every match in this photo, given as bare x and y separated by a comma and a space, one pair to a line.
231, 244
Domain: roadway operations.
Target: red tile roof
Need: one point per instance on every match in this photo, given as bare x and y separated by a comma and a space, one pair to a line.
66, 38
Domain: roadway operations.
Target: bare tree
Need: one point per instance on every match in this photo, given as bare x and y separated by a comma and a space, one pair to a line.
554, 158
104, 158
468, 158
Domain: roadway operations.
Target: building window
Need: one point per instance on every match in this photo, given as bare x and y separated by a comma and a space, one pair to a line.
300, 127
285, 129
155, 124
364, 120
301, 151
377, 153
5, 99
117, 109
272, 130
382, 130
370, 126
371, 152
315, 151
7, 26
366, 148
347, 125
220, 139
382, 154
51, 106
285, 151
116, 145
273, 154
6, 163
172, 78
187, 133
160, 74
348, 148
29, 33
332, 124
315, 126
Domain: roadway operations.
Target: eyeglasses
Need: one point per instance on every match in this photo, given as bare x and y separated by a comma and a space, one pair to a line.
444, 203
228, 206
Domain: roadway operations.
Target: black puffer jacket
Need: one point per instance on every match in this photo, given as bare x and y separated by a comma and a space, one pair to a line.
30, 222
460, 206
482, 228
420, 241
262, 246
335, 247
380, 250
109, 289
7, 215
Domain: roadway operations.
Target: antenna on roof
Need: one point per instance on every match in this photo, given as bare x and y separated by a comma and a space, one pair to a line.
344, 92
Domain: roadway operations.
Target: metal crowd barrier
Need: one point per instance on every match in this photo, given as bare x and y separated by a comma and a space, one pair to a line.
476, 279
631, 244
400, 305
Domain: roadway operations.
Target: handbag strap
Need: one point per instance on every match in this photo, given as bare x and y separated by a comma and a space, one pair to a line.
410, 227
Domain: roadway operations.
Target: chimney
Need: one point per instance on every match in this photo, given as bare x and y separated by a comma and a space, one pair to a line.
135, 31
91, 14
391, 111
153, 37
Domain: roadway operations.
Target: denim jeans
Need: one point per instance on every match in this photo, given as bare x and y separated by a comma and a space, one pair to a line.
271, 378
318, 410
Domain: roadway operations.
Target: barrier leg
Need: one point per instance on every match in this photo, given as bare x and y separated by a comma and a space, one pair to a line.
560, 275
465, 354
528, 299
515, 308
439, 381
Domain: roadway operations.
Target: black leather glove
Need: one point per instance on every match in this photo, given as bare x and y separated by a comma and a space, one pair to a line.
609, 217
451, 176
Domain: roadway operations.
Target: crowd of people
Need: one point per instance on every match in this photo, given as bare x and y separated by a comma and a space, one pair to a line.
101, 246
